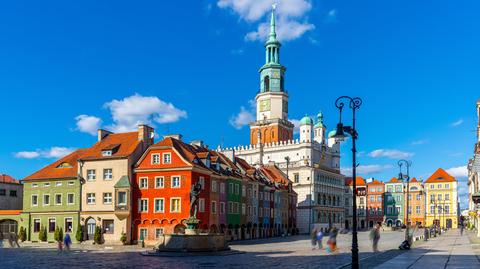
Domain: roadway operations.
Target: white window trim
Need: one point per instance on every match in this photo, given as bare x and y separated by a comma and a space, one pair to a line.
156, 234
65, 220
48, 227
140, 209
61, 199
213, 206
111, 198
71, 183
58, 184
94, 198
163, 158
163, 182
201, 201
73, 198
34, 185
153, 157
31, 200
105, 178
154, 207
95, 174
40, 222
140, 233
180, 204
179, 182
140, 183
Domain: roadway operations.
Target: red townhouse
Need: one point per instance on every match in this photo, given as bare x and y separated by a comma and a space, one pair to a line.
375, 192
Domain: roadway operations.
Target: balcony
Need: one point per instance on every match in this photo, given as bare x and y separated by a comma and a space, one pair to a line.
122, 211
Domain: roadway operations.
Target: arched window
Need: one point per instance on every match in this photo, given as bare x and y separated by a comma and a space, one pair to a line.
266, 84
282, 84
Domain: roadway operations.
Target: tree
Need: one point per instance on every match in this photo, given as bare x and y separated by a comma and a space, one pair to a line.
97, 236
56, 234
42, 236
79, 234
60, 234
22, 234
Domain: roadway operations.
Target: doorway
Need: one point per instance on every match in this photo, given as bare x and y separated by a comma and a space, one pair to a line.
91, 224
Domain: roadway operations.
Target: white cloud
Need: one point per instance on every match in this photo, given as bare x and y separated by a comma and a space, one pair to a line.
457, 123
243, 118
420, 142
131, 111
296, 125
365, 170
291, 16
331, 16
53, 152
460, 171
88, 124
390, 153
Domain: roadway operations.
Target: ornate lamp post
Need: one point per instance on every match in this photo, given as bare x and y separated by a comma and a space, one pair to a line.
354, 104
407, 178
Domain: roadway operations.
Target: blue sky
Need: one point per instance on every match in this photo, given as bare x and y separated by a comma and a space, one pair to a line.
67, 67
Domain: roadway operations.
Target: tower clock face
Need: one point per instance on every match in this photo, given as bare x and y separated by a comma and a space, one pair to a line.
264, 105
275, 74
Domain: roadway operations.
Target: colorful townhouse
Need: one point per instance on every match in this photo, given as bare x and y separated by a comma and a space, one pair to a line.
106, 173
361, 203
416, 201
52, 197
441, 200
394, 203
163, 179
11, 204
375, 210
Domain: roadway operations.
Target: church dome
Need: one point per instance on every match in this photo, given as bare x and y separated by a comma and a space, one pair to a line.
306, 121
319, 123
332, 133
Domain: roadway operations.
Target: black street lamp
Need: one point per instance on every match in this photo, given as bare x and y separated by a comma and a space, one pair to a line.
407, 178
354, 104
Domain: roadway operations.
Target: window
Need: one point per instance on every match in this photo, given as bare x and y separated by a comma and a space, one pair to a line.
447, 186
409, 197
214, 186
260, 212
176, 182
398, 188
158, 233
3, 192
106, 153
244, 209
70, 198
213, 207
58, 199
35, 185
296, 178
34, 200
222, 187
13, 193
107, 174
46, 185
175, 205
159, 205
58, 184
439, 197
432, 209
432, 197
159, 182
143, 183
230, 188
409, 209
237, 189
417, 209
439, 186
36, 225
46, 199
52, 225
244, 191
447, 209
91, 198
143, 205
122, 198
108, 226
91, 175
379, 189
372, 198
389, 210
432, 187
266, 80
419, 197
447, 197
155, 158
222, 208
389, 189
201, 180
201, 205
230, 207
71, 183
107, 198
167, 158
379, 198
143, 233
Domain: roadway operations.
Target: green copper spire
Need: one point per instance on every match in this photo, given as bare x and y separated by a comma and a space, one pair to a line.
272, 37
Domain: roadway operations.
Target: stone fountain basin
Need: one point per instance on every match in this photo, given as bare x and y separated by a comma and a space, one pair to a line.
192, 243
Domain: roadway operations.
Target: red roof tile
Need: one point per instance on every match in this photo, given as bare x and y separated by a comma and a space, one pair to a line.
440, 176
4, 178
54, 170
125, 143
359, 181
376, 182
394, 180
414, 180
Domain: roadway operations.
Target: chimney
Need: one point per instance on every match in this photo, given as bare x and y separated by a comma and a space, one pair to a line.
231, 155
198, 143
175, 136
102, 134
146, 134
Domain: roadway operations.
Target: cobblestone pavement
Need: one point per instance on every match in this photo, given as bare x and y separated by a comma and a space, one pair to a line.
290, 252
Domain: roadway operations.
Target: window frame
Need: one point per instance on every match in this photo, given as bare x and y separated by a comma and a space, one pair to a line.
103, 198
92, 199
61, 198
154, 155
140, 183
179, 204
169, 158
141, 209
159, 186
94, 175
155, 205
73, 199
36, 199
179, 182
105, 174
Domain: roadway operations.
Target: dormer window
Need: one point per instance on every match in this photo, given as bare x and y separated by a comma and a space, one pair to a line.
167, 158
110, 150
207, 162
218, 166
106, 153
155, 158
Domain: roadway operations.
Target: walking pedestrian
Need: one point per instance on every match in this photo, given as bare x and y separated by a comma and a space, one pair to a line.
461, 228
313, 238
375, 237
59, 246
1, 239
67, 241
320, 239
15, 240
332, 241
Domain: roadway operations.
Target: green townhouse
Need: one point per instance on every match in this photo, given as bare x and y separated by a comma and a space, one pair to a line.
52, 198
394, 203
234, 186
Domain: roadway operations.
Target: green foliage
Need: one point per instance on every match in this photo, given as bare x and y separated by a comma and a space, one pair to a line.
60, 234
123, 238
42, 235
79, 233
22, 234
56, 234
97, 236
